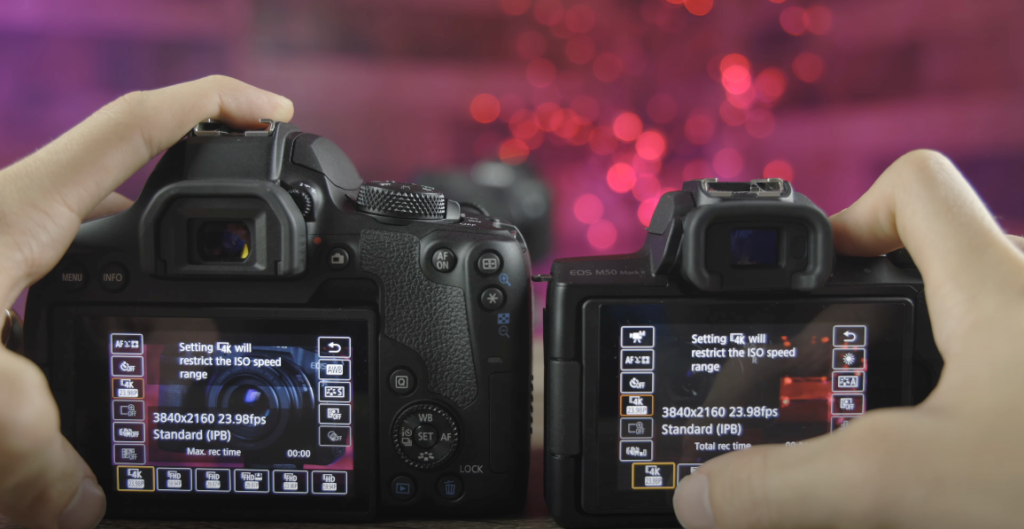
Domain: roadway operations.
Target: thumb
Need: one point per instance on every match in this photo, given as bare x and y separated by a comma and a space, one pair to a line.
44, 483
817, 484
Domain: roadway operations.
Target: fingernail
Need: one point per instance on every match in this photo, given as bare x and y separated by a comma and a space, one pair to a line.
692, 503
87, 507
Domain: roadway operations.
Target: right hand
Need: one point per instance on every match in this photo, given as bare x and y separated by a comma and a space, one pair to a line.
955, 460
44, 198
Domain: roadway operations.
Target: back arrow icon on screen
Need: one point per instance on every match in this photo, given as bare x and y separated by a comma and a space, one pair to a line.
333, 348
850, 336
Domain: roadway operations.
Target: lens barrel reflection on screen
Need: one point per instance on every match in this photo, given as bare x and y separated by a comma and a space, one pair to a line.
224, 241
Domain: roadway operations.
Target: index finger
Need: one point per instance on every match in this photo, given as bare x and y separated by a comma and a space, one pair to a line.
922, 202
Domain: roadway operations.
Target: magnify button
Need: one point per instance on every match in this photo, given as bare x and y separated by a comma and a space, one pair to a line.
503, 279
503, 331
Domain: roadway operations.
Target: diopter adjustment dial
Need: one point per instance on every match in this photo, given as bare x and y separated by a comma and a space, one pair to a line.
407, 201
303, 200
425, 436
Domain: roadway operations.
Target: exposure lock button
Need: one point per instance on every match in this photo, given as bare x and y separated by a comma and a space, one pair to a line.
492, 298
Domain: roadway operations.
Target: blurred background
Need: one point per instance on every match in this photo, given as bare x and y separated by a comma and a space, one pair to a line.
572, 117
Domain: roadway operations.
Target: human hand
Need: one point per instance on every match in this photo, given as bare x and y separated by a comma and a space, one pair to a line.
44, 483
952, 461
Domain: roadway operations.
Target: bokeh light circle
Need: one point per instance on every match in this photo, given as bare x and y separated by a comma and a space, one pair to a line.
513, 151
731, 115
621, 177
580, 18
588, 208
728, 163
650, 145
793, 21
627, 126
779, 169
646, 210
699, 7
602, 234
808, 67
699, 127
485, 108
770, 84
818, 19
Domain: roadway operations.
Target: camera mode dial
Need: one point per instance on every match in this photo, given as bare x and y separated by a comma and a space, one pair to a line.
397, 199
425, 436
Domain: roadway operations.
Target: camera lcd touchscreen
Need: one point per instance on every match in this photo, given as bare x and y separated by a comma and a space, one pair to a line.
683, 382
235, 407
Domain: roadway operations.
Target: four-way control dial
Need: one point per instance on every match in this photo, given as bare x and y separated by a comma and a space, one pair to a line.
425, 436
407, 201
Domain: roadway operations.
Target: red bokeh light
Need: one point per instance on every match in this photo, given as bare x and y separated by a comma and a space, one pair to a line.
646, 210
621, 177
588, 208
485, 108
603, 141
736, 79
744, 100
602, 234
531, 44
731, 115
728, 163
607, 67
627, 126
580, 18
647, 187
760, 123
700, 127
522, 125
662, 108
770, 84
541, 73
793, 21
580, 49
586, 108
779, 169
513, 151
733, 59
515, 7
699, 7
808, 67
818, 19
650, 145
550, 117
548, 12
697, 170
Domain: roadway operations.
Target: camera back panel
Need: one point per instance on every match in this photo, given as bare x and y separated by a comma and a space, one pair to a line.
298, 358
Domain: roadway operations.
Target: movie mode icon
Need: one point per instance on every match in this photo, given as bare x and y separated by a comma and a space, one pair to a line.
636, 405
327, 482
641, 337
213, 480
174, 479
654, 476
135, 479
252, 481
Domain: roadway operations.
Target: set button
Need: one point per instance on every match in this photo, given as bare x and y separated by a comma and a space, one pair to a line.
425, 435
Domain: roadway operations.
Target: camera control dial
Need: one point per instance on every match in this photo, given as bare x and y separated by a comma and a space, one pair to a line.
397, 199
425, 436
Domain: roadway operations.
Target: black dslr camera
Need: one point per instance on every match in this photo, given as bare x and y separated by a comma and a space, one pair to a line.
733, 326
264, 336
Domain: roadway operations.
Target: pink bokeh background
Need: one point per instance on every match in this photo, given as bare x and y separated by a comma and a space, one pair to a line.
610, 102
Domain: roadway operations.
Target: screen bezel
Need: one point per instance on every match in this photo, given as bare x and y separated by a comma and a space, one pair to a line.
598, 475
86, 405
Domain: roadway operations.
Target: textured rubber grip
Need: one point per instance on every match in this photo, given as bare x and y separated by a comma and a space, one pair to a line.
424, 316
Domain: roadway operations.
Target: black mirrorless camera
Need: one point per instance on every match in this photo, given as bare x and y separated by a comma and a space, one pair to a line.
733, 326
264, 336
